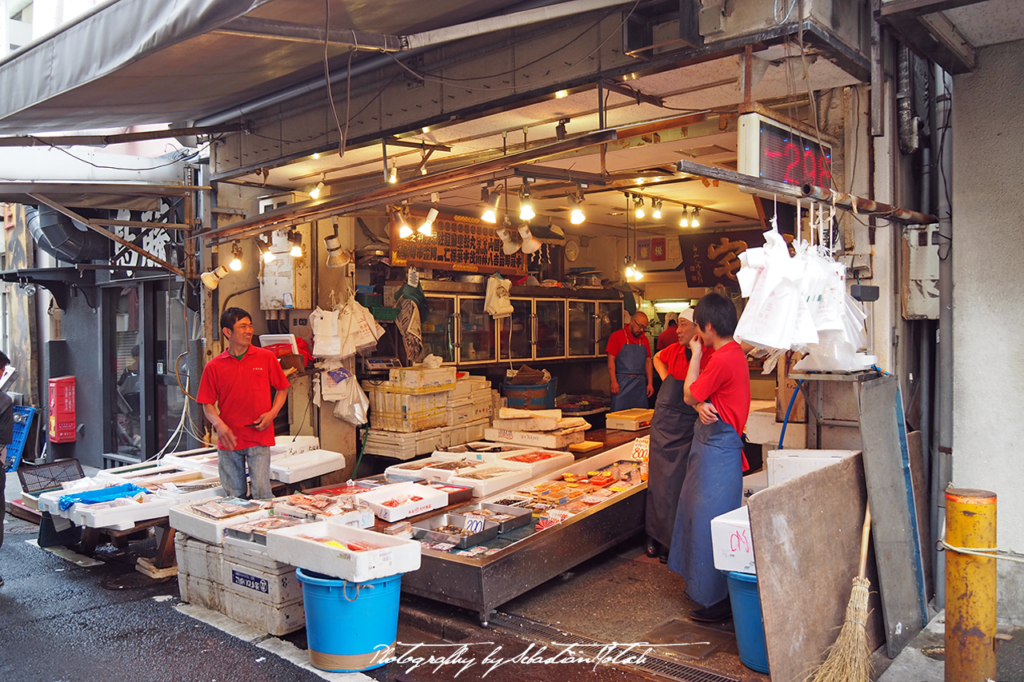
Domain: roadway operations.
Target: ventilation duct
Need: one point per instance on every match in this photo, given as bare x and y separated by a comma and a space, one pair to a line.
65, 239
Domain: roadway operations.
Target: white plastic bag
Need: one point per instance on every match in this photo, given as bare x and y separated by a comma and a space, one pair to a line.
353, 406
497, 303
332, 384
326, 341
359, 331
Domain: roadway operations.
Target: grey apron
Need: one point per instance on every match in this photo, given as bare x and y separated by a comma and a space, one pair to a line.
631, 373
713, 486
671, 433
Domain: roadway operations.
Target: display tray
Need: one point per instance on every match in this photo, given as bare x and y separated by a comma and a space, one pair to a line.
480, 450
435, 530
495, 512
456, 493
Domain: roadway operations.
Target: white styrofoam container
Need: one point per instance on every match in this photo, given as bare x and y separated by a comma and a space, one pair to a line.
179, 497
754, 483
421, 379
762, 428
121, 517
204, 460
397, 555
251, 553
277, 620
197, 558
293, 445
49, 500
443, 475
431, 499
207, 530
305, 465
541, 439
491, 486
131, 472
357, 518
784, 465
254, 583
403, 446
394, 409
206, 593
557, 460
730, 541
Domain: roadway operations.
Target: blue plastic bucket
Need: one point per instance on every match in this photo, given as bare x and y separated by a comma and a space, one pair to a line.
350, 626
531, 397
746, 619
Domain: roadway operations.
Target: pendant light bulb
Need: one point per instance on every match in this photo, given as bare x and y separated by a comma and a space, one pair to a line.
657, 210
526, 212
398, 218
491, 210
640, 213
296, 241
393, 177
266, 255
577, 216
315, 192
236, 257
684, 219
696, 218
427, 228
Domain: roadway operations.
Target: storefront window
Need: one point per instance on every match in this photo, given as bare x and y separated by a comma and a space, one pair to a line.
127, 422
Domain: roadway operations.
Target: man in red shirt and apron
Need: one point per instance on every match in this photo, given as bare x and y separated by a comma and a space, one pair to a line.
239, 382
720, 392
629, 364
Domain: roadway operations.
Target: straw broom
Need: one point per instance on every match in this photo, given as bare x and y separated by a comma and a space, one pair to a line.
849, 660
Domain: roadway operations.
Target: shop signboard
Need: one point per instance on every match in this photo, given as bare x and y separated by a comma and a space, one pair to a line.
710, 259
458, 242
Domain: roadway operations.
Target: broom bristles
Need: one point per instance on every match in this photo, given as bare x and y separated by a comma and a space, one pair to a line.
849, 659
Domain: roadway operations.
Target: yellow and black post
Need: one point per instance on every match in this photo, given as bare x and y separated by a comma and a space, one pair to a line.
970, 586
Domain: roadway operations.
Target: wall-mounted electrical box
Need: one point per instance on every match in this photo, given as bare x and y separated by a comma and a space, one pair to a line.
921, 269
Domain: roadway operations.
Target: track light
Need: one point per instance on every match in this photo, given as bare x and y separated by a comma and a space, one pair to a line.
315, 192
296, 241
530, 243
656, 204
236, 257
492, 198
212, 278
640, 213
427, 228
265, 253
577, 216
508, 245
393, 176
684, 218
526, 213
336, 257
633, 273
696, 217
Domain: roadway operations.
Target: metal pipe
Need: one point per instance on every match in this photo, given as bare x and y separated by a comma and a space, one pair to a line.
867, 206
904, 103
318, 83
98, 140
944, 407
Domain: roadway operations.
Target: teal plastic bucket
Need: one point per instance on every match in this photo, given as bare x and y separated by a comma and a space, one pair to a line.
350, 627
531, 397
746, 619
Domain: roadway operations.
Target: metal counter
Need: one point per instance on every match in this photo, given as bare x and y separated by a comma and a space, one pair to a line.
484, 583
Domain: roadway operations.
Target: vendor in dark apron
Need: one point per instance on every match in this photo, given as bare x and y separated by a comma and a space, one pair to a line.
671, 433
629, 354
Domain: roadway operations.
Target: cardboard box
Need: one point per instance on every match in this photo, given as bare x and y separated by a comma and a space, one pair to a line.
394, 556
730, 542
629, 420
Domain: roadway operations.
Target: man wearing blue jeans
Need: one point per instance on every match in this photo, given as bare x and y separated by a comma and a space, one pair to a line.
239, 382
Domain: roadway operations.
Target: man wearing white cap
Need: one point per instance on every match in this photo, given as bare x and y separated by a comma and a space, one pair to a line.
671, 433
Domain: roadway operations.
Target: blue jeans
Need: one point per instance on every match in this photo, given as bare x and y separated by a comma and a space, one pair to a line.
231, 467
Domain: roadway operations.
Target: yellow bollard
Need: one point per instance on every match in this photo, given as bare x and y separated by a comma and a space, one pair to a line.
970, 586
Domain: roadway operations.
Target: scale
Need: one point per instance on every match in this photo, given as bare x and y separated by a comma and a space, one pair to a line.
378, 366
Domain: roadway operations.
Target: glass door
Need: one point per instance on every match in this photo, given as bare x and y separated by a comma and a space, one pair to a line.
172, 320
127, 337
549, 324
439, 328
582, 330
516, 332
609, 319
476, 332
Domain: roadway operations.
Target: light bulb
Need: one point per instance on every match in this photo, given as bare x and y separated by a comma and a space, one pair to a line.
684, 218
577, 216
491, 211
236, 257
393, 178
657, 211
696, 218
637, 275
526, 212
404, 231
296, 251
315, 192
296, 241
640, 213
427, 228
235, 264
269, 257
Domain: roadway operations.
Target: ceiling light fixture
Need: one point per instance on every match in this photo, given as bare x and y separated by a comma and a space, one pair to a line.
295, 239
530, 243
656, 203
404, 231
696, 217
640, 213
212, 278
684, 219
315, 192
508, 245
266, 255
316, 156
393, 177
427, 228
561, 94
491, 198
236, 257
526, 212
577, 216
336, 257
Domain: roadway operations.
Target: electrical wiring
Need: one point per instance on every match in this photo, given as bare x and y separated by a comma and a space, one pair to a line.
179, 156
327, 77
775, 14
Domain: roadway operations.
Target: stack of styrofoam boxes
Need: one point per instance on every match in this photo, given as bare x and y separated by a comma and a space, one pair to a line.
469, 409
260, 591
409, 412
199, 572
789, 463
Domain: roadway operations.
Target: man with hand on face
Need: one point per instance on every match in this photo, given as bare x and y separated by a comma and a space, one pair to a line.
239, 382
629, 363
720, 392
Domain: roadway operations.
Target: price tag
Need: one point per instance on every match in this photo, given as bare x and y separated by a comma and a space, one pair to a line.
641, 447
474, 524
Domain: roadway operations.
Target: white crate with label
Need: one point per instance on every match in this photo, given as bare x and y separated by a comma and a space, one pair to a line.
270, 587
277, 620
401, 500
730, 541
204, 528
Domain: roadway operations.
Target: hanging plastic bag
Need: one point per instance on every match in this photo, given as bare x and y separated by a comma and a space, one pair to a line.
326, 339
353, 406
497, 303
332, 384
359, 331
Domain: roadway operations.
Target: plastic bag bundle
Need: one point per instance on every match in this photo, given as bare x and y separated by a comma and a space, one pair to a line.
496, 302
358, 329
326, 339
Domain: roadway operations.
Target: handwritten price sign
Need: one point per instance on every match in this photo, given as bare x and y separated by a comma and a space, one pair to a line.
641, 448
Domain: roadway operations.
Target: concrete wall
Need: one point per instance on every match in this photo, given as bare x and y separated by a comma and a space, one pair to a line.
988, 319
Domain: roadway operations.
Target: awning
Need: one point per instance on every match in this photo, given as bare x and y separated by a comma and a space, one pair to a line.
132, 62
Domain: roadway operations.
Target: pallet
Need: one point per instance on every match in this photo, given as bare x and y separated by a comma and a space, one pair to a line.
18, 510
146, 567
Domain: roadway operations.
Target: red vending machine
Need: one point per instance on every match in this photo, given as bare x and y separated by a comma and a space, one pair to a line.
62, 410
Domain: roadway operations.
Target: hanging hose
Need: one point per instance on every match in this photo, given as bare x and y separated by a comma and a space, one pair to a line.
362, 449
785, 422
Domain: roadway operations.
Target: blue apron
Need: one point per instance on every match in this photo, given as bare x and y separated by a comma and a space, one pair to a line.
671, 433
631, 373
713, 486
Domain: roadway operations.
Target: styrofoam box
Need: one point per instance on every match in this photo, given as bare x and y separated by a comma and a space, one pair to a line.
784, 465
252, 554
498, 484
754, 483
49, 500
397, 555
306, 465
730, 541
121, 517
128, 474
541, 439
254, 583
358, 518
293, 445
483, 456
207, 530
275, 620
203, 459
432, 499
196, 558
402, 446
442, 475
205, 593
557, 460
423, 379
179, 497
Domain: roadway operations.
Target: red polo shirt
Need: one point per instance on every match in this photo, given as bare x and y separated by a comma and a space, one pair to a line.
675, 360
725, 383
668, 337
241, 389
622, 338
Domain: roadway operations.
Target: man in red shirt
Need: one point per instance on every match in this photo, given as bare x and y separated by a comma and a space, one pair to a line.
629, 362
239, 382
671, 333
720, 392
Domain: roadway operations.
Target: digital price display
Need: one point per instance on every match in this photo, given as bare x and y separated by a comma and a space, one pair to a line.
770, 150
